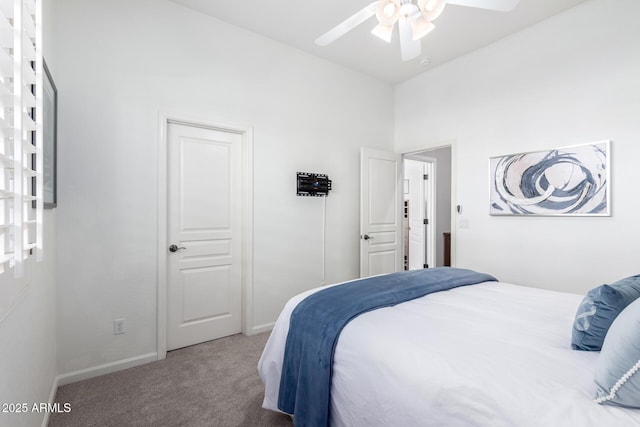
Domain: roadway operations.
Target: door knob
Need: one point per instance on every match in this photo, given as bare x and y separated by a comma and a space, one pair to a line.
367, 237
175, 248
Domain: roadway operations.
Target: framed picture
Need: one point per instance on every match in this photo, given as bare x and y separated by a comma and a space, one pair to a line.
50, 140
569, 181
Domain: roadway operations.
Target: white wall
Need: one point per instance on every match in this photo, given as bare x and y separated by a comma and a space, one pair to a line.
121, 62
27, 332
28, 338
569, 80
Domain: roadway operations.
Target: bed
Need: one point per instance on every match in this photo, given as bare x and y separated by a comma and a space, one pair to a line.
491, 354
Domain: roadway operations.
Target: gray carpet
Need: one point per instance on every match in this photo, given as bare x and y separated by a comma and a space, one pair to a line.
211, 384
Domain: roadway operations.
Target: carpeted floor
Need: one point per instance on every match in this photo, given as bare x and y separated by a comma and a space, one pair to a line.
211, 384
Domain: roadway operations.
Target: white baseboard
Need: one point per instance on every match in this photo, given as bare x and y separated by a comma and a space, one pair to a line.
107, 368
258, 329
52, 397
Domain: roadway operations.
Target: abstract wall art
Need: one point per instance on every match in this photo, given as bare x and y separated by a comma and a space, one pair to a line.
570, 181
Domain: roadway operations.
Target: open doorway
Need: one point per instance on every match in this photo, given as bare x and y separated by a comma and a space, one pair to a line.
427, 208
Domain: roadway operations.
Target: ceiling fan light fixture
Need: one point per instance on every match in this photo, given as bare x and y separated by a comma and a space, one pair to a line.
408, 10
383, 31
420, 27
430, 5
388, 12
431, 9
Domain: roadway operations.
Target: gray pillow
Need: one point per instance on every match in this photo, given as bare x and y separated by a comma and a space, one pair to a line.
599, 309
617, 375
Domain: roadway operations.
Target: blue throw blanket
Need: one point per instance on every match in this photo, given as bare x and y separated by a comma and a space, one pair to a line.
317, 321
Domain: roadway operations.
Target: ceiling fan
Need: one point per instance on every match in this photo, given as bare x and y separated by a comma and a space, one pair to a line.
414, 17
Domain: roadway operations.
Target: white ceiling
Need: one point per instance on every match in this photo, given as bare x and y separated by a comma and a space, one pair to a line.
459, 30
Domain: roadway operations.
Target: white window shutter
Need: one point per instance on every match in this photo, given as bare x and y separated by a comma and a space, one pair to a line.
38, 161
21, 149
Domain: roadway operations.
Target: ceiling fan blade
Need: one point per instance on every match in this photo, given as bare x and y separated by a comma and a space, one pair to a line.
347, 25
499, 5
409, 48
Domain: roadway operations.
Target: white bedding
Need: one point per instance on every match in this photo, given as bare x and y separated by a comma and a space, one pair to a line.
492, 354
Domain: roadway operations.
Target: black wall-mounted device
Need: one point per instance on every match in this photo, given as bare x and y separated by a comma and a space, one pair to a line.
313, 184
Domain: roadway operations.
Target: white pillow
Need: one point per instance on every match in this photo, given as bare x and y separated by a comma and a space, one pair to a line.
618, 367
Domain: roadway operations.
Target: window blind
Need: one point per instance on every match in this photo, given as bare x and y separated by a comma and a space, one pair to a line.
21, 160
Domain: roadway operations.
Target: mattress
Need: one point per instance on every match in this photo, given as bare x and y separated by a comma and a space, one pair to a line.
493, 354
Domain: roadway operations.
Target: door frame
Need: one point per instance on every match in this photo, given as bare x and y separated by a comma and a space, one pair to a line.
247, 217
454, 187
430, 188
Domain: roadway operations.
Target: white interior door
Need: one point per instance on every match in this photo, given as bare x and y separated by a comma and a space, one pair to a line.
380, 212
430, 210
414, 171
204, 298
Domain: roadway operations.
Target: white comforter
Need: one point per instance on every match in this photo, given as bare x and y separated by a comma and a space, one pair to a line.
492, 354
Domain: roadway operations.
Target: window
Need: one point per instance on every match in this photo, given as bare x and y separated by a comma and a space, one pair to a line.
21, 202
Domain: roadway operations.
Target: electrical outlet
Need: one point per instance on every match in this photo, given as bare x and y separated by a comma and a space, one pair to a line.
118, 327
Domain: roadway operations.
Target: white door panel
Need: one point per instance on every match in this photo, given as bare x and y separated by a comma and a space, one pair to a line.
382, 185
382, 262
205, 169
382, 238
414, 171
204, 220
207, 293
380, 212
